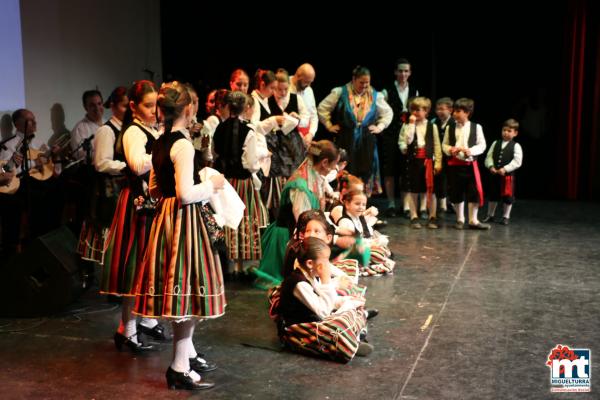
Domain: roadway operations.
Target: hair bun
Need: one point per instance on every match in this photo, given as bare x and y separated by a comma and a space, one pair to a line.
314, 149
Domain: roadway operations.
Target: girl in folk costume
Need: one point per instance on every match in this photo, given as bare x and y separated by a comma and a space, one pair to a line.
239, 81
109, 180
202, 132
313, 223
419, 142
314, 320
285, 144
181, 278
266, 122
128, 232
304, 191
369, 242
237, 148
355, 113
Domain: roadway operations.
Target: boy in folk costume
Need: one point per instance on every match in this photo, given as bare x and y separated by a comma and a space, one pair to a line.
463, 143
443, 118
503, 159
419, 142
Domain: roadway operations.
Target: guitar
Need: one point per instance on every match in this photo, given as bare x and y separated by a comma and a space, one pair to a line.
44, 167
13, 185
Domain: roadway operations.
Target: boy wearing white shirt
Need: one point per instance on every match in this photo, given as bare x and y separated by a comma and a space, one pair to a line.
503, 158
463, 143
419, 142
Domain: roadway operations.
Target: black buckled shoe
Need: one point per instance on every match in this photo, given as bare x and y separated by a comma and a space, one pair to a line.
182, 380
156, 333
200, 365
372, 313
139, 347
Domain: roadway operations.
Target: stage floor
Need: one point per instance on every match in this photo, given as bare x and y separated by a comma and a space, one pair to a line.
466, 315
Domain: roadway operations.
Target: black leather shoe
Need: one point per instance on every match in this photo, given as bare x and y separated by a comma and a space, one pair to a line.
200, 365
139, 347
489, 218
479, 226
372, 313
156, 333
390, 212
503, 221
380, 224
182, 380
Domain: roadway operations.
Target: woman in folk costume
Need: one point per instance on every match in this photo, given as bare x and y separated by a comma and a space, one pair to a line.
181, 278
235, 144
304, 191
355, 113
128, 232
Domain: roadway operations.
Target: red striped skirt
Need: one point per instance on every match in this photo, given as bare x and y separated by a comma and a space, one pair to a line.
126, 246
335, 338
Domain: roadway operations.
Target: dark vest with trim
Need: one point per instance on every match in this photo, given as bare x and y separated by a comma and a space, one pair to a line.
472, 141
366, 233
162, 164
292, 310
229, 140
412, 148
394, 101
135, 181
503, 156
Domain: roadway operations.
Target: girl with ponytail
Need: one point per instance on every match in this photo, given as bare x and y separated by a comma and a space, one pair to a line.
181, 279
127, 237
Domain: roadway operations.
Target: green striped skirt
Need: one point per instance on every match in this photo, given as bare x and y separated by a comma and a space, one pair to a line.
181, 277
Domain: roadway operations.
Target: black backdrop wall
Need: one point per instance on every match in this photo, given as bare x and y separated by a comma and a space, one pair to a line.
509, 60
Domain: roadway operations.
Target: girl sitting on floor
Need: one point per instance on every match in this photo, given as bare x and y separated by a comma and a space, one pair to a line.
353, 220
313, 318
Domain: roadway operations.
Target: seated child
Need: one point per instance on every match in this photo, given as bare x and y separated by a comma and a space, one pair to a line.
353, 221
312, 314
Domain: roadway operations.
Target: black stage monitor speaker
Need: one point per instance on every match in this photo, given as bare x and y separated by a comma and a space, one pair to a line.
43, 279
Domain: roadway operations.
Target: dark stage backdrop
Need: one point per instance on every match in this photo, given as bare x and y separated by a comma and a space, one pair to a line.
509, 60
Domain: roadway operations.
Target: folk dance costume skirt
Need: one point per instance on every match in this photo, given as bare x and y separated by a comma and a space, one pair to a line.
244, 243
271, 193
92, 240
127, 240
94, 230
335, 338
181, 276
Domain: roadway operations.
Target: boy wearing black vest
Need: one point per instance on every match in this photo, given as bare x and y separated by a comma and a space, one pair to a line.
419, 142
503, 158
443, 112
462, 144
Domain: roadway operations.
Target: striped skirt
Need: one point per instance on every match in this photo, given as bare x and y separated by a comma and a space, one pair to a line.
181, 277
244, 243
126, 246
335, 338
271, 191
92, 242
